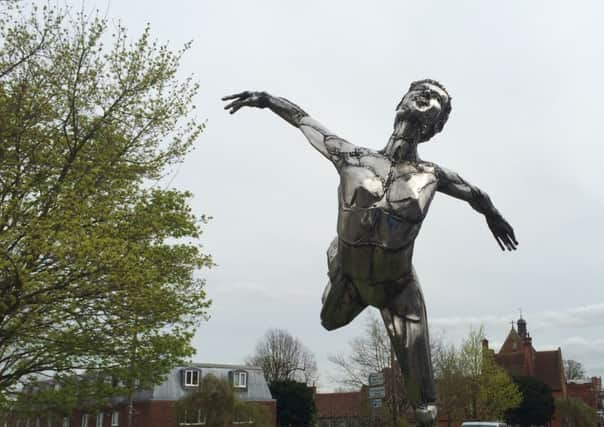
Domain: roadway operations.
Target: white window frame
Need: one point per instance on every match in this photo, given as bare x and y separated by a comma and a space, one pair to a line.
115, 419
99, 419
198, 422
195, 377
65, 421
84, 420
240, 379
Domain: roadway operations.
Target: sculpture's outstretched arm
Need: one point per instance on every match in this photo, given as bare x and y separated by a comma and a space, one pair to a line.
328, 144
452, 184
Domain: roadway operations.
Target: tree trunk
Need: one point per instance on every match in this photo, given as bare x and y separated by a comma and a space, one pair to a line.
130, 406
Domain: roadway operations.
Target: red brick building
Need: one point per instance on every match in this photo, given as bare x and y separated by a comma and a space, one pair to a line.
589, 390
342, 409
519, 358
156, 407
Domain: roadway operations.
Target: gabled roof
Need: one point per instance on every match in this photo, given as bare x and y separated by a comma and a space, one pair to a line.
549, 369
225, 366
512, 343
518, 356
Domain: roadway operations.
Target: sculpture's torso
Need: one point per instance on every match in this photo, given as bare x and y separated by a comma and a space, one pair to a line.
381, 208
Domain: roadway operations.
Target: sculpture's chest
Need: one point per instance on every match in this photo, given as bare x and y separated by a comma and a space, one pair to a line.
403, 190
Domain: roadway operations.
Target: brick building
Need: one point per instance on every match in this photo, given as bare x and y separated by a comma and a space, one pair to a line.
342, 409
156, 407
589, 390
519, 358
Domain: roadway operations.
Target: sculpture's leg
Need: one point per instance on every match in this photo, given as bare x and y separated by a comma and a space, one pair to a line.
341, 301
406, 322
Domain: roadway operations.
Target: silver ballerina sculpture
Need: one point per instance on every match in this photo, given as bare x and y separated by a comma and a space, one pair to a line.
383, 199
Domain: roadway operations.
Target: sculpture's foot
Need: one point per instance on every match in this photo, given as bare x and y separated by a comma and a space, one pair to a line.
426, 415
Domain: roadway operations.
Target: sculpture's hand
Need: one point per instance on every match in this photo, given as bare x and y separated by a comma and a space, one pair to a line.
246, 99
503, 232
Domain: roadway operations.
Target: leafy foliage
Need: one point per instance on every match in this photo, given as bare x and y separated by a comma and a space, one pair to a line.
295, 403
537, 407
497, 392
283, 357
216, 403
451, 384
574, 412
470, 384
96, 259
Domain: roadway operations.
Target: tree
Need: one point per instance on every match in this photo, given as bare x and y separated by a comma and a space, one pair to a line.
216, 403
574, 412
497, 391
537, 407
295, 403
283, 357
451, 385
370, 353
96, 258
470, 384
573, 370
491, 390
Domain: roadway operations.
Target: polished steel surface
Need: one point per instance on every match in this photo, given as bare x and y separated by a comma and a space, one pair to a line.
384, 197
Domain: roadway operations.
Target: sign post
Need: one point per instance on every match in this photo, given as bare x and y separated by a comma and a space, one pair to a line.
376, 392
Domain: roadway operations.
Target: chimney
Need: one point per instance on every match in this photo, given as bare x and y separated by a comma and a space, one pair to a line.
485, 344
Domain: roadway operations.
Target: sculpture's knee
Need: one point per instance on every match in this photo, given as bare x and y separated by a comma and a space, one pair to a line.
329, 321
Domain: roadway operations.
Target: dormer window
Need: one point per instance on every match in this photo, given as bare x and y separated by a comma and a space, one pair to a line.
191, 377
240, 379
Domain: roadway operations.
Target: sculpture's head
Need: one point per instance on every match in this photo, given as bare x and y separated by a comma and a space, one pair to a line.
428, 104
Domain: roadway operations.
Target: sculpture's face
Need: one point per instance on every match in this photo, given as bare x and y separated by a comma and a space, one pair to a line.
423, 103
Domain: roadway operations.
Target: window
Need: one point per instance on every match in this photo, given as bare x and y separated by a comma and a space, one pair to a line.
115, 419
99, 420
66, 422
191, 377
84, 420
194, 418
242, 419
240, 379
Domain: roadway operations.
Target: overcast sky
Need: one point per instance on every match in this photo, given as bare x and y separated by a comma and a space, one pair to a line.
525, 77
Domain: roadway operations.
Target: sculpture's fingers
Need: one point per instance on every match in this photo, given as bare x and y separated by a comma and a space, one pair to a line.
513, 236
233, 104
236, 95
509, 231
509, 243
497, 240
235, 109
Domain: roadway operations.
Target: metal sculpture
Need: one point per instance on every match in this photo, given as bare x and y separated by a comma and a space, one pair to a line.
383, 199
